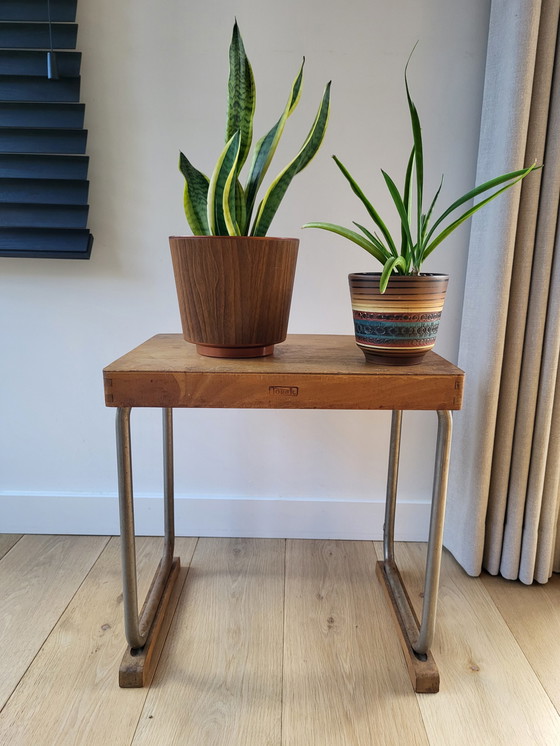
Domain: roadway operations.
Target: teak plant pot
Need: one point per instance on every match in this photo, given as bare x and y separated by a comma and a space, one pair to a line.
399, 326
234, 292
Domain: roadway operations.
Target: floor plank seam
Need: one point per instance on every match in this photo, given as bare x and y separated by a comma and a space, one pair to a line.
7, 552
519, 645
56, 623
283, 647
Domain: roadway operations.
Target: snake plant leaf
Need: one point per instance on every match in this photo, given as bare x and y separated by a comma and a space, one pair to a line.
241, 96
390, 265
480, 189
351, 235
275, 193
220, 217
369, 207
456, 223
196, 196
266, 146
418, 149
240, 209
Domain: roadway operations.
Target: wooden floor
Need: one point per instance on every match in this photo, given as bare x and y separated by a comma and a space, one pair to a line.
274, 642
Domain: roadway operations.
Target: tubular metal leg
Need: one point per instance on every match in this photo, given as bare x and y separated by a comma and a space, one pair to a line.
420, 640
137, 627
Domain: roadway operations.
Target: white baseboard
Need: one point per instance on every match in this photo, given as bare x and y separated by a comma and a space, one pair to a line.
46, 513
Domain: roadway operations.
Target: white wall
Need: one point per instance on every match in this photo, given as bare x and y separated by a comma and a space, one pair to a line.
154, 79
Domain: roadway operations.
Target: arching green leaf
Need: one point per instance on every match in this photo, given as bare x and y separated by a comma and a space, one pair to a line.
372, 248
390, 265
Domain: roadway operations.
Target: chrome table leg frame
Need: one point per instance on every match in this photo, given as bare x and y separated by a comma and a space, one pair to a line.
420, 639
137, 627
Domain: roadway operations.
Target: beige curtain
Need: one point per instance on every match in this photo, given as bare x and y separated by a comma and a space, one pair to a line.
504, 500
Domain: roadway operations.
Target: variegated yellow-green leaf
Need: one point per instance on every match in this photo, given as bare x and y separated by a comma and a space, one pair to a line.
241, 96
266, 146
226, 167
275, 193
195, 198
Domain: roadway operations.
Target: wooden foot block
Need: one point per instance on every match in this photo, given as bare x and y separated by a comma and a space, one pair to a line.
424, 675
138, 666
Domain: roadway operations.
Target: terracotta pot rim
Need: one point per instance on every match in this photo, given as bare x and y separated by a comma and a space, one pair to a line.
426, 275
232, 238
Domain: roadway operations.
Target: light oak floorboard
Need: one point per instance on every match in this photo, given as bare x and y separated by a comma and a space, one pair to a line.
40, 575
533, 615
345, 683
489, 693
7, 541
219, 680
70, 694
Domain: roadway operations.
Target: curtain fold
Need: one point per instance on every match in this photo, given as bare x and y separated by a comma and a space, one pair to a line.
505, 469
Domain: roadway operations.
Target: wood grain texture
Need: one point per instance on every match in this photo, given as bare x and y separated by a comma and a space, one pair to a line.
489, 693
532, 613
40, 575
7, 541
70, 693
138, 667
219, 680
234, 291
423, 674
344, 678
306, 372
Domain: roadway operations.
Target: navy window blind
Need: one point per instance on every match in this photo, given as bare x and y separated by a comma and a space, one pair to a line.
43, 166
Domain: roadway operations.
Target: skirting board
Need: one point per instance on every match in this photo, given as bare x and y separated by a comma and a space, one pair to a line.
45, 513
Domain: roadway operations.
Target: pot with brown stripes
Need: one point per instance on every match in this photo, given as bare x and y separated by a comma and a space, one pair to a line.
399, 326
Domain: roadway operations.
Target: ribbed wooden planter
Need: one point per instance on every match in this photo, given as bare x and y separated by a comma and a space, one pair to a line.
234, 292
399, 326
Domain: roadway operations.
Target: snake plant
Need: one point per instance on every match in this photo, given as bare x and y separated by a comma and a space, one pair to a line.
220, 205
417, 238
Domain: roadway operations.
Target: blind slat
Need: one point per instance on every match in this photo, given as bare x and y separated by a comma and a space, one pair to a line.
20, 140
36, 35
52, 243
34, 62
26, 166
36, 10
43, 216
42, 115
44, 191
15, 88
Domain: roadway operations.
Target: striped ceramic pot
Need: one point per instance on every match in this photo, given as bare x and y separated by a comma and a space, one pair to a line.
399, 326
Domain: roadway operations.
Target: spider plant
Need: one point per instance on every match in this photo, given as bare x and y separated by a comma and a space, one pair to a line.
418, 238
220, 205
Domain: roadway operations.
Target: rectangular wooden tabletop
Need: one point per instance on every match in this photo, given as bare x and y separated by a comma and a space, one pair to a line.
308, 371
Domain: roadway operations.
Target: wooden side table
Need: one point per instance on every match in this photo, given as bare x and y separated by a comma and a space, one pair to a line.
306, 372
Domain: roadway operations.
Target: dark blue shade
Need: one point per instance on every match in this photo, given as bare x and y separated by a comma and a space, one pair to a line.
44, 191
13, 140
43, 166
41, 115
26, 166
51, 243
32, 62
36, 35
43, 216
36, 10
